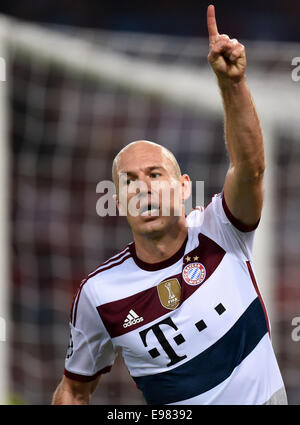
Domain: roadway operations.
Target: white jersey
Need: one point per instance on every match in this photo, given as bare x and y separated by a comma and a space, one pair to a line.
192, 329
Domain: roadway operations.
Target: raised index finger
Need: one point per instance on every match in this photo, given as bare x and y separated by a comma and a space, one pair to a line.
211, 23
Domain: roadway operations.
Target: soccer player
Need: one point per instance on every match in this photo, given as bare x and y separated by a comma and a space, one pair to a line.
182, 301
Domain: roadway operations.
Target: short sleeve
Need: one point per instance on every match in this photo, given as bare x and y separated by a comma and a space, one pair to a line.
90, 351
230, 233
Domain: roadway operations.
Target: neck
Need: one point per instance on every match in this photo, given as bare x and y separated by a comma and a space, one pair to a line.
154, 249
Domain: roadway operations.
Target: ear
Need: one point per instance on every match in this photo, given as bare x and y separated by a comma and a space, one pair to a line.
186, 187
116, 199
120, 207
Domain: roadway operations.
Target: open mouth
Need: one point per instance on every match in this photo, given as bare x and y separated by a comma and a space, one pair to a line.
149, 210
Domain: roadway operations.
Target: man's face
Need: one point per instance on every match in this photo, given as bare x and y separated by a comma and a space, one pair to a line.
149, 191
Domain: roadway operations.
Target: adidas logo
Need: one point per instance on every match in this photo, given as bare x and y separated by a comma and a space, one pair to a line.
131, 319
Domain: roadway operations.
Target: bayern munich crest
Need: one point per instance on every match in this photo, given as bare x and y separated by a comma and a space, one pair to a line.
194, 273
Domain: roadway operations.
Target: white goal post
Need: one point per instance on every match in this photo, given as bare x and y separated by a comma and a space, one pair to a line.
4, 222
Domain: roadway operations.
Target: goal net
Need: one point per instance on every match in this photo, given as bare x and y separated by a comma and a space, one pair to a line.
73, 99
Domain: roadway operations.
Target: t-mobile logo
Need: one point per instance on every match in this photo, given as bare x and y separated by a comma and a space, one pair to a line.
178, 339
165, 345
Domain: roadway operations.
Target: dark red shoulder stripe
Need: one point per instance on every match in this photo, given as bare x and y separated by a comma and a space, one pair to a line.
258, 294
146, 304
74, 308
72, 305
85, 378
234, 221
115, 257
109, 266
76, 303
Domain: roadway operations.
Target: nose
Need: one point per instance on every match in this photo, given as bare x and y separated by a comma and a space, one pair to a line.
144, 186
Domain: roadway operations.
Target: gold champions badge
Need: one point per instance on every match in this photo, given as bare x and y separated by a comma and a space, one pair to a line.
169, 292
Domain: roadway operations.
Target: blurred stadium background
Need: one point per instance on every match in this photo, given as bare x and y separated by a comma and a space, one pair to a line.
81, 82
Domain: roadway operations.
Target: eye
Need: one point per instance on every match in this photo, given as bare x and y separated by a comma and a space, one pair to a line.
155, 175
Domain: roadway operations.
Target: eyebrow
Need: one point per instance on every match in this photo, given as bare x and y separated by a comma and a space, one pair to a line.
151, 168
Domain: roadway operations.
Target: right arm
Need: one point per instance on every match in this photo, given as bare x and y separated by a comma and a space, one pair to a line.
70, 391
90, 352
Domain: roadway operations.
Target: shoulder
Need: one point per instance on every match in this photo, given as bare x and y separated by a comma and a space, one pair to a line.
195, 217
112, 263
97, 282
112, 266
200, 217
215, 211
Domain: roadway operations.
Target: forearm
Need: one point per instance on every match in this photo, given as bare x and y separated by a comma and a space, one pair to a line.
243, 134
243, 186
63, 395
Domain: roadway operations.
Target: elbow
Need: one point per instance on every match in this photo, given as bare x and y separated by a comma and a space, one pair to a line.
250, 172
259, 170
256, 164
254, 174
